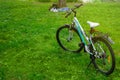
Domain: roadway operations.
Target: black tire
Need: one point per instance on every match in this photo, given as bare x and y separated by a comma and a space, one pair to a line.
74, 44
106, 61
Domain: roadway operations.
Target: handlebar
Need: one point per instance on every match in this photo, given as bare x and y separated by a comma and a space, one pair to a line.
73, 10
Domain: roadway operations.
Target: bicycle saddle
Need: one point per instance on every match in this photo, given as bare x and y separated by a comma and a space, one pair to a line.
93, 24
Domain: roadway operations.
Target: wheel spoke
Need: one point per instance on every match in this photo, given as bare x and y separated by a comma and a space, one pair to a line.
68, 39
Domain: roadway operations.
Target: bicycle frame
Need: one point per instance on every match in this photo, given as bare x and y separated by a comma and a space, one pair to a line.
80, 31
82, 35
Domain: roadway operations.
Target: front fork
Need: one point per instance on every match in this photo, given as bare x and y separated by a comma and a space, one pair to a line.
70, 36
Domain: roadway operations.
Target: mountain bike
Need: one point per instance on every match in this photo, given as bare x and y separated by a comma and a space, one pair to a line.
72, 37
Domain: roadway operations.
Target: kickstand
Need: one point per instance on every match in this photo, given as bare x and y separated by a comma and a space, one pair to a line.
89, 63
92, 59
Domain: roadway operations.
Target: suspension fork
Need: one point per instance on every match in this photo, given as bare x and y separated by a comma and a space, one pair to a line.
70, 32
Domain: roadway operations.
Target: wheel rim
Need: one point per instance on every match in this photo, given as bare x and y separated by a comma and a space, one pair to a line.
103, 58
69, 39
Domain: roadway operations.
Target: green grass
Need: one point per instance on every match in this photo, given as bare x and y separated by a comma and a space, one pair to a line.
28, 47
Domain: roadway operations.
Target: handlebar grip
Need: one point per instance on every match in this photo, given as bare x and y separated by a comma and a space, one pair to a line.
79, 5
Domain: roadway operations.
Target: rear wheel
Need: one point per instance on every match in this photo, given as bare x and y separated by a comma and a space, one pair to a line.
69, 39
104, 59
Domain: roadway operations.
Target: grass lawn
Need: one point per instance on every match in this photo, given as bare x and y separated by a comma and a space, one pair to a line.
29, 50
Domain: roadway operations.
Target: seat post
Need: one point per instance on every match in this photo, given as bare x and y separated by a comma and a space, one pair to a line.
92, 30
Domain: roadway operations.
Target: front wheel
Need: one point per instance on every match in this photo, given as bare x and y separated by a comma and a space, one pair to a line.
68, 38
104, 59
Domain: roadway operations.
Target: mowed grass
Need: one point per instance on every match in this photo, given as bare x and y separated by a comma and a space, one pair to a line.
28, 46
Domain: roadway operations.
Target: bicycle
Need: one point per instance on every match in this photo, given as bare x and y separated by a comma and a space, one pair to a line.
72, 37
